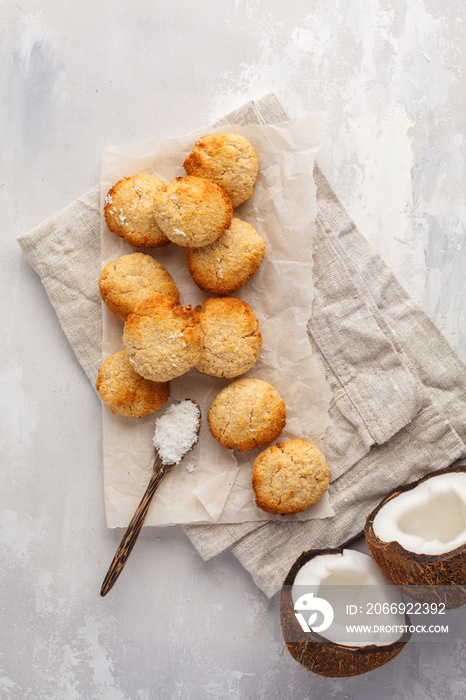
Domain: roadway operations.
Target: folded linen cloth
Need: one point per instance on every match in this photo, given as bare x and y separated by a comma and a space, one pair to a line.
399, 390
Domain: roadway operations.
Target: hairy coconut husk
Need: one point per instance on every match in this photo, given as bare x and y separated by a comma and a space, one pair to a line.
439, 578
322, 656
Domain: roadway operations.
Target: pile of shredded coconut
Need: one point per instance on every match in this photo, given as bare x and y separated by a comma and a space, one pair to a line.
176, 431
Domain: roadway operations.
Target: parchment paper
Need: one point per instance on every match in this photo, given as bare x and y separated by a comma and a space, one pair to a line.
212, 484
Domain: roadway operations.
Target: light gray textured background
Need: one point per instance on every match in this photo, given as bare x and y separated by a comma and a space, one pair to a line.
77, 77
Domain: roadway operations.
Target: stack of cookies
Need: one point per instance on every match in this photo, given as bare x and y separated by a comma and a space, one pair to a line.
164, 339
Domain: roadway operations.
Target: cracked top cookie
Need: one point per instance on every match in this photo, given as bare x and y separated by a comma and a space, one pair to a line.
127, 393
131, 278
226, 264
129, 211
162, 338
289, 477
231, 338
229, 160
192, 211
247, 413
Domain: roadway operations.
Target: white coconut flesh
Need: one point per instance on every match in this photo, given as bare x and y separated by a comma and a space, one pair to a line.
428, 519
352, 578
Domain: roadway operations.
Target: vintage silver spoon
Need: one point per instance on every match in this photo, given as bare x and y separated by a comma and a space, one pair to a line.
167, 428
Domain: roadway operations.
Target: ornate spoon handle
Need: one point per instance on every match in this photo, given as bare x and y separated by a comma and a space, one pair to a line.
134, 528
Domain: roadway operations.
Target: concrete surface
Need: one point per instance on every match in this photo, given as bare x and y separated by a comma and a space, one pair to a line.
77, 77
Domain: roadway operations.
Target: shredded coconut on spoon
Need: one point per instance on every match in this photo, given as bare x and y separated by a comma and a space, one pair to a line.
177, 431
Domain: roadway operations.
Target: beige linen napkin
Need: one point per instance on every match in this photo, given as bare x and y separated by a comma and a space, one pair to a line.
399, 391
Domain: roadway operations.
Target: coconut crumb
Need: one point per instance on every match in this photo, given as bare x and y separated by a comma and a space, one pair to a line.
134, 363
176, 431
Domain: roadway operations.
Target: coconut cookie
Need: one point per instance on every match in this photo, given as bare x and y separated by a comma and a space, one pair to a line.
247, 413
192, 211
289, 477
229, 160
226, 264
131, 278
231, 338
127, 393
162, 338
129, 211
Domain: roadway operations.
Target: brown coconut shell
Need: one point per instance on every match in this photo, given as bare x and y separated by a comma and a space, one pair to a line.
426, 578
320, 655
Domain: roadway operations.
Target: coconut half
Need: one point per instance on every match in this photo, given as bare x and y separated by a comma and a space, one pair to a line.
325, 583
417, 535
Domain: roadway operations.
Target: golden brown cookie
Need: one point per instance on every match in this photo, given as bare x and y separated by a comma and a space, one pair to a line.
130, 279
192, 211
289, 477
127, 393
229, 160
162, 338
247, 413
129, 211
231, 338
226, 264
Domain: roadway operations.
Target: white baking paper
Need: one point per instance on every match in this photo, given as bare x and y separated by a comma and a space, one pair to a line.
212, 484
